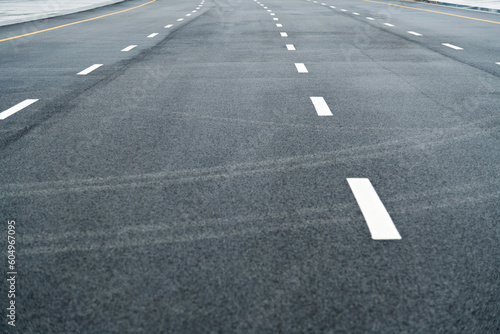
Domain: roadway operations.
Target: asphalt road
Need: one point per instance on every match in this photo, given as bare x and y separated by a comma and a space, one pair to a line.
213, 178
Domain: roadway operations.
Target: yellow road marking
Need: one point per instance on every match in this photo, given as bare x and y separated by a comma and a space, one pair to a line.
73, 23
431, 11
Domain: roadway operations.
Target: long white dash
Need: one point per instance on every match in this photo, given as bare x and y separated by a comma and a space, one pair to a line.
89, 69
333, 7
498, 63
128, 48
283, 34
414, 33
279, 25
354, 13
179, 20
301, 68
343, 10
153, 35
276, 19
169, 26
389, 24
189, 14
376, 216
290, 47
272, 14
452, 46
370, 18
321, 107
20, 106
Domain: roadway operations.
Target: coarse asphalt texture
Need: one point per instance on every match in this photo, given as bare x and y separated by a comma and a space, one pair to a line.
188, 185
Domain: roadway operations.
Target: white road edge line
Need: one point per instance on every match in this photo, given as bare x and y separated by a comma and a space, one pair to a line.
414, 33
128, 48
20, 106
452, 46
376, 216
321, 107
301, 68
290, 47
89, 69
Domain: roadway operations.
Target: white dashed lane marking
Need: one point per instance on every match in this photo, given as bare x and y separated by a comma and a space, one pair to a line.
179, 20
290, 47
89, 69
370, 18
389, 24
283, 34
321, 107
333, 7
354, 13
18, 107
344, 10
452, 46
152, 35
276, 19
414, 33
301, 68
128, 48
376, 216
169, 26
279, 25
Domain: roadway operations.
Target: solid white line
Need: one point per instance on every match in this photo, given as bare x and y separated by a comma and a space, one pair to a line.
389, 25
283, 34
370, 18
128, 48
179, 20
153, 35
290, 47
414, 33
89, 69
376, 216
321, 107
16, 108
355, 13
279, 25
169, 26
301, 68
452, 46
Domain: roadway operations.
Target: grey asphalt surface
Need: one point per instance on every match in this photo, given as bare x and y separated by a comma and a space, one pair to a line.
188, 185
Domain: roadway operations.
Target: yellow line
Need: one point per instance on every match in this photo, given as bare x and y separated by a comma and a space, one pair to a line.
431, 11
73, 23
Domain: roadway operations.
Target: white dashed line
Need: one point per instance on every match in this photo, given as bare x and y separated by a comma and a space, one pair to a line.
354, 13
301, 68
89, 69
414, 33
324, 4
169, 26
193, 11
321, 107
452, 46
273, 14
20, 106
333, 7
376, 216
276, 19
290, 47
498, 63
370, 18
128, 48
389, 24
179, 20
343, 10
153, 35
189, 14
283, 34
279, 25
